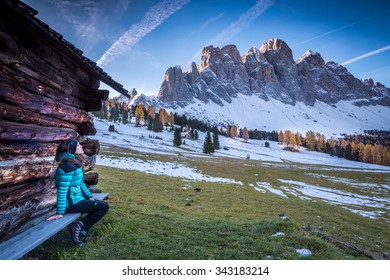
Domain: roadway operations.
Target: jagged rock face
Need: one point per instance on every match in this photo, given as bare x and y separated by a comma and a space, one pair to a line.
280, 56
310, 67
174, 87
268, 72
223, 72
263, 81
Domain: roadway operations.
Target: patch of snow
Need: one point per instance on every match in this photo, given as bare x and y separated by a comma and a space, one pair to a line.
347, 200
172, 169
267, 186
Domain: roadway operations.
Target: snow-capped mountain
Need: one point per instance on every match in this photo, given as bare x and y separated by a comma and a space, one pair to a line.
266, 89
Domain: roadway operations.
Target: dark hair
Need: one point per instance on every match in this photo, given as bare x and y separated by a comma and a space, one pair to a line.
67, 146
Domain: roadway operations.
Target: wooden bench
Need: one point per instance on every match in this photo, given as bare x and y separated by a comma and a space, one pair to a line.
40, 230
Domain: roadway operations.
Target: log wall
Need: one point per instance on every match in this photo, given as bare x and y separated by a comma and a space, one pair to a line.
45, 97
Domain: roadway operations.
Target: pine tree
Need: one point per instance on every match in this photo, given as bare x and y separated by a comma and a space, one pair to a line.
114, 114
125, 117
208, 147
177, 137
196, 135
150, 122
339, 151
348, 151
105, 111
215, 139
157, 125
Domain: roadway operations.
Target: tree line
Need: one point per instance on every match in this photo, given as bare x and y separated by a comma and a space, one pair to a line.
363, 148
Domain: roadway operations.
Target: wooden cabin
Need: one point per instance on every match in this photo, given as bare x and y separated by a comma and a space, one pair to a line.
47, 88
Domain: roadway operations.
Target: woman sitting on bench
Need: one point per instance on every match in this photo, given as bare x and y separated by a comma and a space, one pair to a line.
72, 194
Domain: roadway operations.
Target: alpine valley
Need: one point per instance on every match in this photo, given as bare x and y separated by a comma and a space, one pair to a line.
266, 89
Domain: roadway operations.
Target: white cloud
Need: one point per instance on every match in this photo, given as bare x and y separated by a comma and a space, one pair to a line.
206, 23
152, 19
329, 32
341, 28
366, 55
243, 22
86, 18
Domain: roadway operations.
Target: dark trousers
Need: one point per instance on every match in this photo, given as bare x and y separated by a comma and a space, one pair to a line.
95, 209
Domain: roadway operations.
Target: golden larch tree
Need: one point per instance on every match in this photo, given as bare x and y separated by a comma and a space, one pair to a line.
245, 134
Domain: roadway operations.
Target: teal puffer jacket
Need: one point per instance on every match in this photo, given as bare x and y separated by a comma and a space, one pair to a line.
69, 180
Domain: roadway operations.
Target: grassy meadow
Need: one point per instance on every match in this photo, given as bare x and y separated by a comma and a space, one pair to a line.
159, 217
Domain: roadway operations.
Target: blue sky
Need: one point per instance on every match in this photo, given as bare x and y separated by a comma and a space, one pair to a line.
136, 41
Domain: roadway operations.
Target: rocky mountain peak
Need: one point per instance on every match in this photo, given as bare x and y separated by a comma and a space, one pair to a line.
276, 48
133, 92
209, 55
174, 86
312, 58
269, 72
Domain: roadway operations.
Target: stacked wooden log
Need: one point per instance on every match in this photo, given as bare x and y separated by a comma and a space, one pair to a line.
45, 97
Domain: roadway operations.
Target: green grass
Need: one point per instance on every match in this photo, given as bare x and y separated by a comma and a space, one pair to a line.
161, 217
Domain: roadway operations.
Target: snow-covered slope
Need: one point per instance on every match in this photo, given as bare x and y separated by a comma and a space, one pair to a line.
255, 113
146, 141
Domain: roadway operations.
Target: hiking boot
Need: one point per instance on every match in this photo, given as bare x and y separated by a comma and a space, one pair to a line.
82, 235
75, 230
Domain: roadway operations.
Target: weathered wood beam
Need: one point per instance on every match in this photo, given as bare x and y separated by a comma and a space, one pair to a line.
13, 172
16, 114
27, 54
39, 87
14, 193
46, 200
16, 214
12, 93
12, 150
12, 131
